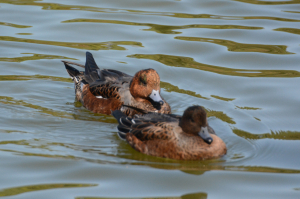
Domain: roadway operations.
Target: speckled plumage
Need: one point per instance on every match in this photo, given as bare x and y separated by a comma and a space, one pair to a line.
171, 136
103, 91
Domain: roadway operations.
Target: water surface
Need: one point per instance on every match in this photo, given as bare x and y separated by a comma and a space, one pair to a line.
239, 59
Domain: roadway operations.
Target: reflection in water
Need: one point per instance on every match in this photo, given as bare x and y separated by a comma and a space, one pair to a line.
84, 114
29, 188
51, 6
266, 2
248, 108
35, 132
186, 196
239, 47
55, 6
114, 45
222, 116
33, 57
207, 16
131, 157
128, 156
24, 33
281, 135
136, 158
261, 169
218, 114
13, 25
289, 30
32, 77
171, 88
195, 195
223, 98
188, 62
164, 29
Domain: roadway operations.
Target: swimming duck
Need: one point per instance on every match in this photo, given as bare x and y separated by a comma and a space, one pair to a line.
103, 91
187, 137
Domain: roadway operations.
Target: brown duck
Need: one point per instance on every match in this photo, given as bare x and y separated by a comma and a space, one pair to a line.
106, 90
187, 137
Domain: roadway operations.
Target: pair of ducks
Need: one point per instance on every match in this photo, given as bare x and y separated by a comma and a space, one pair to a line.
144, 117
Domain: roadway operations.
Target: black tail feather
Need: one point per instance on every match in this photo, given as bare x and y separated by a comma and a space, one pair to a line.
73, 72
73, 63
125, 121
123, 129
91, 68
118, 115
122, 135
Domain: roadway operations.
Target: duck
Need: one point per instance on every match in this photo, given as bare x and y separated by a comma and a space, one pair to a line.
186, 137
106, 90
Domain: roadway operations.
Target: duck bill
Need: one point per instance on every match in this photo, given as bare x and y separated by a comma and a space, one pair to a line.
204, 134
155, 97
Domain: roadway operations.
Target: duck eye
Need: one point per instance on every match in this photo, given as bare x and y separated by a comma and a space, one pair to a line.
143, 80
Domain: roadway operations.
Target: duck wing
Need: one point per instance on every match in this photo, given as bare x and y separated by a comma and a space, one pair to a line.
103, 83
148, 130
146, 127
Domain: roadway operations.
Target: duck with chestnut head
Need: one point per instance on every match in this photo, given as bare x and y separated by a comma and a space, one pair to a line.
106, 90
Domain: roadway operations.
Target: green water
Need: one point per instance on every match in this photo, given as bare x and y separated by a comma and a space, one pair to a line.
238, 59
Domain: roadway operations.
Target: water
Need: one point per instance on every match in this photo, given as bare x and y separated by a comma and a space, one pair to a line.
238, 59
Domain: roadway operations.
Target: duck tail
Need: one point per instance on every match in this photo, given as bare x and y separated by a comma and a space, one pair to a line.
124, 123
92, 71
73, 72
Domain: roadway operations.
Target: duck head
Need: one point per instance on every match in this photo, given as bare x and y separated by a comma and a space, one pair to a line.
194, 121
145, 85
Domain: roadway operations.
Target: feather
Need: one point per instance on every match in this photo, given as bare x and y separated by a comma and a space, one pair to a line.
73, 72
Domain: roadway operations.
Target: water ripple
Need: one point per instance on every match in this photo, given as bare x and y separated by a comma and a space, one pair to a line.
240, 47
13, 25
33, 57
289, 30
39, 187
188, 62
164, 29
258, 2
110, 45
